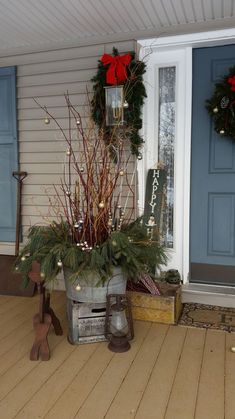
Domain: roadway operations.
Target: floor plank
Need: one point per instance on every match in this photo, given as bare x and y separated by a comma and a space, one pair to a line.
25, 328
9, 306
230, 377
33, 375
182, 400
40, 403
210, 400
154, 402
21, 347
170, 372
12, 304
79, 389
106, 388
17, 320
129, 395
11, 381
5, 298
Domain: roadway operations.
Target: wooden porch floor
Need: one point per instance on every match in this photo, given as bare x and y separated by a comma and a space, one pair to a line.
169, 373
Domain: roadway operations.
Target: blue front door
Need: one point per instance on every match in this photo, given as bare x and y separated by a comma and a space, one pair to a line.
8, 154
212, 225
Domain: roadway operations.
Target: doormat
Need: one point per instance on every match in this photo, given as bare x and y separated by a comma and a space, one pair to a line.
208, 317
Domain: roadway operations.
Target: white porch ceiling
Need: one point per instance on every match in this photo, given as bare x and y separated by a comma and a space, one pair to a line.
40, 24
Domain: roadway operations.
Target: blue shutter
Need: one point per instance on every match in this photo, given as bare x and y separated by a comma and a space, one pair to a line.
8, 154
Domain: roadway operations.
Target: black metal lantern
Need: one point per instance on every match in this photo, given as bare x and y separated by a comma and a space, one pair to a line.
118, 323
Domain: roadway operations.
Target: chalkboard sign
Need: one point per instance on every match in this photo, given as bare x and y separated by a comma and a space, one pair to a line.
155, 199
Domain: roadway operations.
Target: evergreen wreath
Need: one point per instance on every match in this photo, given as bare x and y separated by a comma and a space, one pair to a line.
134, 93
221, 106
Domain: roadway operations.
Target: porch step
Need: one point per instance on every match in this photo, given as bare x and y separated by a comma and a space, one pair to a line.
209, 294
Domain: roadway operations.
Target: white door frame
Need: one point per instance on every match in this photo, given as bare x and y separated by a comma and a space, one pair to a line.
175, 50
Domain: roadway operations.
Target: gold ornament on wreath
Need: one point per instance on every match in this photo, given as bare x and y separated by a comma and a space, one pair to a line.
221, 106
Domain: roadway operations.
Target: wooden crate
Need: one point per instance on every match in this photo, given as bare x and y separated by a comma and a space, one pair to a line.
86, 322
161, 309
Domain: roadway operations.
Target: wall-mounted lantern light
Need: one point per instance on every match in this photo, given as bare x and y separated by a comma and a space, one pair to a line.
114, 104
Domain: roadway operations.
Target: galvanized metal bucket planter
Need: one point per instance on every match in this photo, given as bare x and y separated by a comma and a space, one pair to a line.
89, 291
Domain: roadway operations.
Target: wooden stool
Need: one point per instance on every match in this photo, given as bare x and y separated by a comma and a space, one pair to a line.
43, 319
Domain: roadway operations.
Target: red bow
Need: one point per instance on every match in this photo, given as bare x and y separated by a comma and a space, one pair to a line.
231, 80
116, 72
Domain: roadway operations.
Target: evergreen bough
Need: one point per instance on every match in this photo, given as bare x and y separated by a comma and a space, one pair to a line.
134, 92
130, 248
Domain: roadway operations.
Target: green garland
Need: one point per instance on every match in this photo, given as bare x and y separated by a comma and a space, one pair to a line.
52, 247
135, 93
221, 106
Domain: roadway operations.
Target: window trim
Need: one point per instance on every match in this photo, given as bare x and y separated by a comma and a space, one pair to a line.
181, 59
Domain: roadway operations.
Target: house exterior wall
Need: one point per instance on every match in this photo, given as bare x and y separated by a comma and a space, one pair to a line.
46, 76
